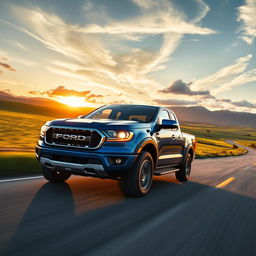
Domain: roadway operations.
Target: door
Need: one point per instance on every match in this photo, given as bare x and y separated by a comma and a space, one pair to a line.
170, 142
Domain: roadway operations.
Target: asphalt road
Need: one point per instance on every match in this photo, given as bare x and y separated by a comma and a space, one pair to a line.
213, 214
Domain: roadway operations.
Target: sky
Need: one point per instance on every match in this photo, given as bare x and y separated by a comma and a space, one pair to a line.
160, 52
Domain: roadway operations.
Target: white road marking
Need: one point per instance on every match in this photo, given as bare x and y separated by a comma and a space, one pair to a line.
18, 179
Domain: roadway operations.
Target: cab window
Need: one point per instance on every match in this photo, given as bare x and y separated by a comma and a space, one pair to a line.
104, 114
163, 115
172, 116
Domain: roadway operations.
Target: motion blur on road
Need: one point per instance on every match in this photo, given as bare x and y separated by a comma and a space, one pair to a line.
213, 214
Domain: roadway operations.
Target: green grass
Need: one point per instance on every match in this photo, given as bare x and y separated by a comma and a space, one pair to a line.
50, 108
19, 130
211, 139
14, 164
220, 132
213, 148
247, 143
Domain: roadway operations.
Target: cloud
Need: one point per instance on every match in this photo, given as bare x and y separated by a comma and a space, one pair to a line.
3, 58
159, 23
61, 91
223, 75
24, 62
15, 59
246, 77
246, 14
156, 17
244, 103
225, 100
96, 53
175, 102
179, 87
229, 104
91, 96
7, 66
19, 45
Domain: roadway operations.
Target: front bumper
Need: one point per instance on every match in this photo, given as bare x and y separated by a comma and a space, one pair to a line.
85, 163
83, 169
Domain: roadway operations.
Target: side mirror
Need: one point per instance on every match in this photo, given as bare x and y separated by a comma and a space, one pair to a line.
80, 116
168, 124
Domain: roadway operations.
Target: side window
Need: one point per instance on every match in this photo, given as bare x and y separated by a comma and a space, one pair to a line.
172, 117
163, 115
117, 115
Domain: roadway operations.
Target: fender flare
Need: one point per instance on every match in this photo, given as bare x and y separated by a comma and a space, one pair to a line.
189, 147
148, 142
143, 143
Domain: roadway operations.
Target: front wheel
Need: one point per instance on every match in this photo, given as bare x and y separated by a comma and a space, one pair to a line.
185, 169
54, 176
139, 179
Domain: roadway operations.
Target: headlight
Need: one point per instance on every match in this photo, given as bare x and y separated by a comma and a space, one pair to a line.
44, 128
119, 135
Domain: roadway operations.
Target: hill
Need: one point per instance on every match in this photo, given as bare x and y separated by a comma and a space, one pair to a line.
220, 117
48, 107
54, 110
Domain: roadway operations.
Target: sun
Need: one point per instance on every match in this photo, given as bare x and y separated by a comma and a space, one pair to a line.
73, 101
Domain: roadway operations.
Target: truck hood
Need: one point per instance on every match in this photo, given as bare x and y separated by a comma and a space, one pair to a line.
99, 124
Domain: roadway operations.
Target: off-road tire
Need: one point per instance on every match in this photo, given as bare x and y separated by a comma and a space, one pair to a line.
185, 169
54, 176
138, 181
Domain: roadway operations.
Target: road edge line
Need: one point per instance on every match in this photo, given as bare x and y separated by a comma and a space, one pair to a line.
19, 179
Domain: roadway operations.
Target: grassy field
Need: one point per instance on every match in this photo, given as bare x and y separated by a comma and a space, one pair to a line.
19, 132
213, 148
211, 139
18, 164
220, 132
247, 143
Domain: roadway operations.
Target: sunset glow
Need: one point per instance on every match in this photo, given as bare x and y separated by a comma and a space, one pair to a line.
165, 52
74, 101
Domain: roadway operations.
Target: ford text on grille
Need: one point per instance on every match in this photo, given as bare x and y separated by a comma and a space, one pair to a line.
71, 137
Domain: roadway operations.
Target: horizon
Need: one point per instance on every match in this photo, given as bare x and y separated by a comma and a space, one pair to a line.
171, 53
193, 115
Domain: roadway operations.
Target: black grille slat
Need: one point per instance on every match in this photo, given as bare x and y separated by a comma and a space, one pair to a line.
48, 135
72, 137
95, 138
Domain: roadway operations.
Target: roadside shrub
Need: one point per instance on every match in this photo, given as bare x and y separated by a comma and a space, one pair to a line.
253, 145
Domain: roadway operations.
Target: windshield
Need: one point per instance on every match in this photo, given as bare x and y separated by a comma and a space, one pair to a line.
142, 114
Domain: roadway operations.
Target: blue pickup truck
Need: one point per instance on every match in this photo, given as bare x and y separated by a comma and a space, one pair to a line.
130, 143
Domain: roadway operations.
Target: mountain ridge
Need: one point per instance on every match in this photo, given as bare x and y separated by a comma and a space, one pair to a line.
200, 114
194, 114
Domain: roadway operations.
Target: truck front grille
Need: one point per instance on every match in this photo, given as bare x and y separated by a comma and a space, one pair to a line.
74, 137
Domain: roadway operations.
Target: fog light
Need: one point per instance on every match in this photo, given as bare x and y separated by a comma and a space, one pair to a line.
118, 161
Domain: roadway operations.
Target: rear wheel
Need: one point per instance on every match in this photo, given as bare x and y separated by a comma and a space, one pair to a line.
54, 176
185, 169
139, 179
